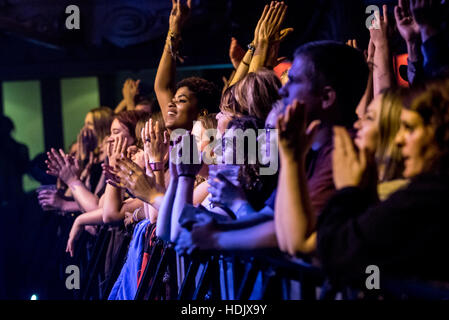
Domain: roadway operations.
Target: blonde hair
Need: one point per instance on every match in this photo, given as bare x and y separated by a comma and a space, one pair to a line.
257, 92
388, 153
102, 119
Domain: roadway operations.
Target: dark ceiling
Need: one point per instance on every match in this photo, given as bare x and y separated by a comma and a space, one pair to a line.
128, 35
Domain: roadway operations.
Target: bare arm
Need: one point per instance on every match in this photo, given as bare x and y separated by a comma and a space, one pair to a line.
261, 236
243, 68
120, 107
294, 216
163, 225
164, 83
269, 36
83, 196
113, 198
383, 70
293, 209
184, 195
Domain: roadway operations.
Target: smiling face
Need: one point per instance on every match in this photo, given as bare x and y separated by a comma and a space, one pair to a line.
120, 130
300, 87
368, 126
182, 111
417, 142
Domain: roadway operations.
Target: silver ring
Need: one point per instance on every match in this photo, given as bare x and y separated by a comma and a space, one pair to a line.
130, 173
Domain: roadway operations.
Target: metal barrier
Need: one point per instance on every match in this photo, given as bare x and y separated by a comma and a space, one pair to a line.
204, 278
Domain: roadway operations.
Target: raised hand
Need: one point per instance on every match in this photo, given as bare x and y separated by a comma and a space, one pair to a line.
269, 29
63, 166
351, 168
156, 143
379, 30
129, 91
406, 23
236, 53
87, 143
179, 14
427, 12
116, 149
295, 137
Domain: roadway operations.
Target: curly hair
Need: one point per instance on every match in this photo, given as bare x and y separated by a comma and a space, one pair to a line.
432, 104
206, 93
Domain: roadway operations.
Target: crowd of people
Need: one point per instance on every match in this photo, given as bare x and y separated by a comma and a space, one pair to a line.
324, 158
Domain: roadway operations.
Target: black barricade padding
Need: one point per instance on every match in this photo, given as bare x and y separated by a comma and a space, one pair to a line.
122, 252
150, 269
98, 258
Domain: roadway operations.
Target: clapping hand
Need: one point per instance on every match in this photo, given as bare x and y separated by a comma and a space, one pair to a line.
136, 181
351, 168
87, 143
295, 137
156, 143
116, 148
61, 165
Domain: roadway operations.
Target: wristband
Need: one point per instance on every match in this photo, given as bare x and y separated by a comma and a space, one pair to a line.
156, 166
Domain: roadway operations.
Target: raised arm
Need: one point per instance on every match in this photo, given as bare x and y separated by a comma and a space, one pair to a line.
269, 37
383, 70
164, 83
243, 66
409, 30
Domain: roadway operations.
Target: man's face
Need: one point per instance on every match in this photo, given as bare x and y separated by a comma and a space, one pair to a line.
182, 111
299, 87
